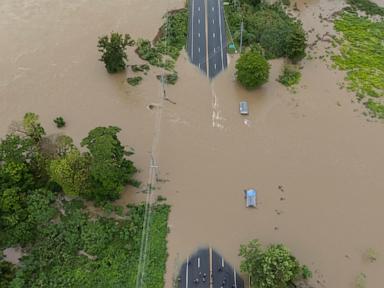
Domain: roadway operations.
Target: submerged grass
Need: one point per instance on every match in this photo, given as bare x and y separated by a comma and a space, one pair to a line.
362, 57
367, 6
134, 81
290, 76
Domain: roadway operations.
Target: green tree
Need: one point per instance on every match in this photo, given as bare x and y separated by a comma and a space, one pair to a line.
273, 267
109, 169
64, 144
32, 127
7, 273
296, 44
113, 51
71, 172
16, 149
11, 210
252, 70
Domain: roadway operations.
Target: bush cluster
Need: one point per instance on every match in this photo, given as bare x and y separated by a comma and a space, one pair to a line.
269, 25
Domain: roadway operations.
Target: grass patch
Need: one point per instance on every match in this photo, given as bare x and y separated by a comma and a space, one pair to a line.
376, 109
77, 251
289, 76
362, 57
134, 81
367, 6
361, 54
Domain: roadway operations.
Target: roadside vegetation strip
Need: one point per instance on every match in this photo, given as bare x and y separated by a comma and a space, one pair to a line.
362, 57
165, 49
269, 26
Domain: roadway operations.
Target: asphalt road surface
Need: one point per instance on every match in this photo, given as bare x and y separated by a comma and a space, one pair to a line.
207, 43
196, 271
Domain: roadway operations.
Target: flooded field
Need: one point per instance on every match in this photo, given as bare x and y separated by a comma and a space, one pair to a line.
315, 143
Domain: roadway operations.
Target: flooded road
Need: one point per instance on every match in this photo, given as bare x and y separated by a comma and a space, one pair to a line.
315, 143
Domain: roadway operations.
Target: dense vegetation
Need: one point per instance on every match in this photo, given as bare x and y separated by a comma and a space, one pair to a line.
271, 267
64, 245
269, 25
361, 56
171, 39
290, 76
367, 6
252, 70
113, 51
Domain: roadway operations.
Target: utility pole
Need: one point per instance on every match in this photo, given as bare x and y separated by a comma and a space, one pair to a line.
241, 35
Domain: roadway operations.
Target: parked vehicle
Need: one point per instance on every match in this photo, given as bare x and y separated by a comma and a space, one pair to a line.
250, 198
244, 108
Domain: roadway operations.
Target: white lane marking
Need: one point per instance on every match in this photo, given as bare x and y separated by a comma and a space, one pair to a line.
198, 262
193, 10
198, 8
214, 35
214, 50
213, 8
198, 20
222, 262
186, 273
198, 35
221, 36
213, 21
215, 66
217, 118
234, 277
199, 49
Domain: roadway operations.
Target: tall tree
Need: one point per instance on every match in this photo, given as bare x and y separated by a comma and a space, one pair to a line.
109, 170
71, 172
32, 127
113, 51
273, 267
252, 70
296, 43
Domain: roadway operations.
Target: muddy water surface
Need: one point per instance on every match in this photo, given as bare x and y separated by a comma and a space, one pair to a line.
315, 143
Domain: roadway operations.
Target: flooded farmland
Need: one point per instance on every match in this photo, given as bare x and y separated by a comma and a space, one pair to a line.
314, 142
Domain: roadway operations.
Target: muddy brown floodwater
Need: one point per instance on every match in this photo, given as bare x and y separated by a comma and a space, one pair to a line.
315, 143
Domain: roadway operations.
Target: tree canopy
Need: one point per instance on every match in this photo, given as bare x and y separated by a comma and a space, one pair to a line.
252, 70
113, 51
273, 267
109, 169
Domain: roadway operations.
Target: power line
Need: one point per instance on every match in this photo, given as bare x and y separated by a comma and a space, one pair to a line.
152, 178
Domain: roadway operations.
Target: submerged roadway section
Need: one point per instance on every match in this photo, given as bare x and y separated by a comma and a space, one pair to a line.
207, 269
207, 42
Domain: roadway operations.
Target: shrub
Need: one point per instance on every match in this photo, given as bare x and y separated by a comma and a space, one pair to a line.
289, 77
59, 121
252, 70
140, 68
113, 51
134, 81
169, 78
